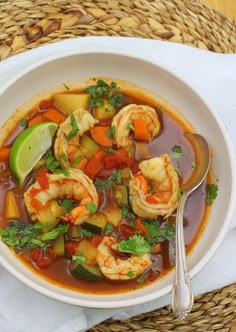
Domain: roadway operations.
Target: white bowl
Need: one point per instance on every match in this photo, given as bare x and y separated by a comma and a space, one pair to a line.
82, 64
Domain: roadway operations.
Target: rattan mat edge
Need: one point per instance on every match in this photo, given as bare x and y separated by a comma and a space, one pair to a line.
27, 24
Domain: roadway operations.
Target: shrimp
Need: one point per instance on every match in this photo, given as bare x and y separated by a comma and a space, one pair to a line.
77, 186
124, 118
66, 148
154, 189
116, 268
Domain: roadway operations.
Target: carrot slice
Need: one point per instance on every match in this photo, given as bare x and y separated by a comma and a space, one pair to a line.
99, 134
140, 130
35, 120
140, 226
54, 115
96, 240
4, 153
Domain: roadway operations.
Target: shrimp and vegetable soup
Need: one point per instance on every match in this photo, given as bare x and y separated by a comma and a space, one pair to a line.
90, 180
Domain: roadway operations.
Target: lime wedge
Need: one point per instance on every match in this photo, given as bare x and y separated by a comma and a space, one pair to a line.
29, 147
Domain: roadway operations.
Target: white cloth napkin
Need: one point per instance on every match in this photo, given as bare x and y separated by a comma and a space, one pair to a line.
214, 76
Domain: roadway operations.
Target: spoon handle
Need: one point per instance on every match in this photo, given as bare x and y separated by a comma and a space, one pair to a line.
182, 295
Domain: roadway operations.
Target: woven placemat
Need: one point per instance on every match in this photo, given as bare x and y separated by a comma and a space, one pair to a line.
26, 24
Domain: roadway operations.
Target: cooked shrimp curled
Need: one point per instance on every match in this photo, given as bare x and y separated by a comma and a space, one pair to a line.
125, 117
119, 269
67, 149
154, 190
77, 186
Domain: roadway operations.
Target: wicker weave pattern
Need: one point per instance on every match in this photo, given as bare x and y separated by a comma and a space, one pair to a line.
25, 24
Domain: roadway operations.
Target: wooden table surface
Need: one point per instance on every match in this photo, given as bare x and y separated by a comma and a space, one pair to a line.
227, 7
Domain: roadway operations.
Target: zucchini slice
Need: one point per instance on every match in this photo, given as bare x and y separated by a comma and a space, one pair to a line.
96, 223
85, 271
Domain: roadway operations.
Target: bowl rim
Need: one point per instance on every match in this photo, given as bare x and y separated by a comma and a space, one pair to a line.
229, 214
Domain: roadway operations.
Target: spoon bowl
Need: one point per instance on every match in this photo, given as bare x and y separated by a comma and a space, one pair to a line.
182, 294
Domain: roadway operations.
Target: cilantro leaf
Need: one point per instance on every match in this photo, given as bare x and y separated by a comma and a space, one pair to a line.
67, 203
53, 165
85, 232
212, 190
91, 207
177, 152
111, 132
159, 231
51, 235
110, 182
74, 130
136, 245
126, 212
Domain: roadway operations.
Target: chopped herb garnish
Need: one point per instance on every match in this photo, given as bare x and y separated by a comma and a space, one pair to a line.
23, 122
131, 274
130, 126
111, 132
91, 207
194, 165
81, 259
177, 152
110, 182
60, 229
76, 161
116, 100
126, 212
85, 232
180, 193
66, 86
109, 228
212, 190
74, 130
24, 237
110, 150
67, 203
107, 110
53, 165
101, 91
64, 158
136, 245
159, 231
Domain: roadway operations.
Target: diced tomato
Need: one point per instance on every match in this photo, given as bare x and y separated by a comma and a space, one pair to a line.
105, 173
70, 248
43, 258
117, 159
127, 231
35, 254
96, 240
44, 104
94, 164
42, 178
43, 262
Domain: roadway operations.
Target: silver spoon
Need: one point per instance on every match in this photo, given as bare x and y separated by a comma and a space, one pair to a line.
182, 294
